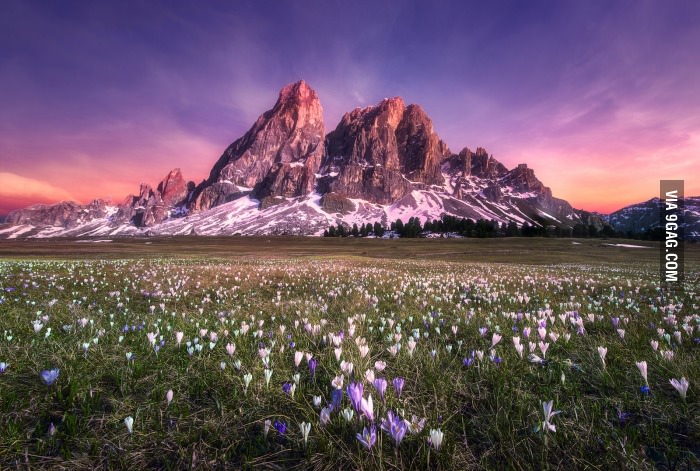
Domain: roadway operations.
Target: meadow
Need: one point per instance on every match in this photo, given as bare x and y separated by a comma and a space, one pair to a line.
279, 353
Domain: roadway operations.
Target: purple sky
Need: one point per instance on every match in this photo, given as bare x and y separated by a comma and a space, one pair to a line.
601, 98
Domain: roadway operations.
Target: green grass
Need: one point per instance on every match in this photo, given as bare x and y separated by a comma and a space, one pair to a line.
488, 411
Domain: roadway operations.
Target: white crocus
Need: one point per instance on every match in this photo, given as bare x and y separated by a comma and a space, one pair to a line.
435, 438
681, 386
129, 422
548, 414
602, 351
305, 428
642, 365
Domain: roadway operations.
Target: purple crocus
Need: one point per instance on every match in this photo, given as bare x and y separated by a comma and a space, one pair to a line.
468, 361
355, 392
398, 385
281, 427
336, 398
49, 376
312, 366
368, 437
380, 386
394, 426
287, 388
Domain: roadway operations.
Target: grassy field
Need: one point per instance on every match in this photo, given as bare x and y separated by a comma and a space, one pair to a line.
277, 353
509, 250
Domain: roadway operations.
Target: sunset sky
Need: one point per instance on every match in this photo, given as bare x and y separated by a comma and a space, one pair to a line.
601, 98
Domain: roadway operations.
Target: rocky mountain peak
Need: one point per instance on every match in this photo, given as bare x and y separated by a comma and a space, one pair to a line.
523, 180
478, 164
381, 152
173, 188
278, 156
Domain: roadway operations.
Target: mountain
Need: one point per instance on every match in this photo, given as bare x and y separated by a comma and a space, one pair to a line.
381, 152
644, 217
286, 176
278, 157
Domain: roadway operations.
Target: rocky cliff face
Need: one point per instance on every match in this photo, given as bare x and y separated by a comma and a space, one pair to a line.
279, 156
380, 153
151, 206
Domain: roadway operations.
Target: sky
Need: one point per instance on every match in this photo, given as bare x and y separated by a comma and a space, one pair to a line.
600, 98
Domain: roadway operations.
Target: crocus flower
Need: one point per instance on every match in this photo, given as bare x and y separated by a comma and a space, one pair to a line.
337, 382
312, 366
325, 416
642, 365
49, 376
3, 367
602, 351
305, 428
535, 359
415, 426
368, 437
268, 424
298, 356
316, 401
398, 385
169, 396
355, 391
336, 398
364, 350
435, 438
367, 407
394, 426
495, 338
129, 422
247, 378
348, 414
281, 427
346, 367
380, 385
681, 386
548, 414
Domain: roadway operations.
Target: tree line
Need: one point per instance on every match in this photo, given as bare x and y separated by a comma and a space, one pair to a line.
466, 227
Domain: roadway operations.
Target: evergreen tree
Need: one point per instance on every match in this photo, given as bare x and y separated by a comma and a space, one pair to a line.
399, 227
365, 230
512, 229
378, 229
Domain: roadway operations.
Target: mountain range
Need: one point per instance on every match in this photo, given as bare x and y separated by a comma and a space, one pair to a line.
287, 176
